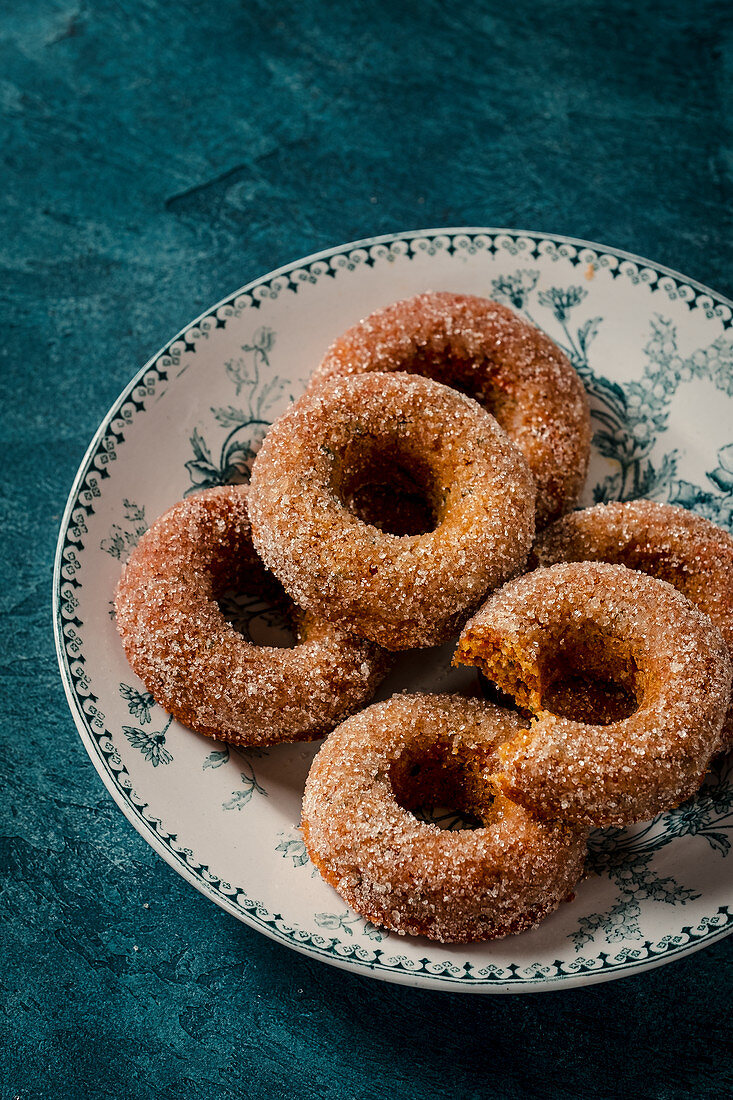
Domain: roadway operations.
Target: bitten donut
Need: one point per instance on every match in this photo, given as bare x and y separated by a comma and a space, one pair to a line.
485, 350
660, 539
411, 876
593, 620
401, 591
197, 666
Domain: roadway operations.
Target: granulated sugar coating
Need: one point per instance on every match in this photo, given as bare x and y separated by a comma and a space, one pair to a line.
414, 877
401, 591
665, 541
483, 349
620, 625
198, 667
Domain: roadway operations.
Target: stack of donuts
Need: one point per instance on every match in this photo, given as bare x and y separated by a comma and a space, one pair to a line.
424, 487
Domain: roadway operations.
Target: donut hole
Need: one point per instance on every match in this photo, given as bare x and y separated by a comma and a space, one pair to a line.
256, 605
440, 787
384, 484
396, 509
590, 676
582, 697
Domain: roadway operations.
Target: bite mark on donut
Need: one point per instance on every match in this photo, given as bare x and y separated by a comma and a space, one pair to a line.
553, 639
663, 540
587, 676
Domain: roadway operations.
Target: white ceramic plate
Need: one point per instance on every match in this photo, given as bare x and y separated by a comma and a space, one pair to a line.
656, 353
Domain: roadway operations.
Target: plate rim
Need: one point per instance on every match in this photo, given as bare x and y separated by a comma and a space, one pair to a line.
424, 980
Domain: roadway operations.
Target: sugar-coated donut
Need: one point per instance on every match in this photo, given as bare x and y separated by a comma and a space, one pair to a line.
591, 619
485, 350
401, 591
197, 666
411, 876
665, 541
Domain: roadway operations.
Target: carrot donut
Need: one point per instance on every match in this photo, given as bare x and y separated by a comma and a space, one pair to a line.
197, 666
593, 620
411, 876
660, 539
483, 349
398, 590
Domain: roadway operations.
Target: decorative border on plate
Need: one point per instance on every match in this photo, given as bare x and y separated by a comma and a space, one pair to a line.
86, 490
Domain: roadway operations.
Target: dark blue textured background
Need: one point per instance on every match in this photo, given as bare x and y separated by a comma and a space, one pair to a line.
155, 156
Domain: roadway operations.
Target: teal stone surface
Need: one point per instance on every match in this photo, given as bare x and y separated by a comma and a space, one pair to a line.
156, 156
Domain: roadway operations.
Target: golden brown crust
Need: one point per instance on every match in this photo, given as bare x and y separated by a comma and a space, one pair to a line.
200, 668
665, 541
637, 631
485, 350
413, 877
399, 590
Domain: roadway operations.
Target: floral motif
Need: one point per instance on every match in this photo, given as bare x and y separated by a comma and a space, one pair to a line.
139, 703
515, 288
625, 857
216, 758
722, 475
246, 427
241, 797
451, 820
122, 539
716, 506
562, 300
292, 848
709, 813
151, 745
262, 343
344, 921
254, 615
630, 419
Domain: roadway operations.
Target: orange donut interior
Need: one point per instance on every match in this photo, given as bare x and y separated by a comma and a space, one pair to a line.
583, 673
